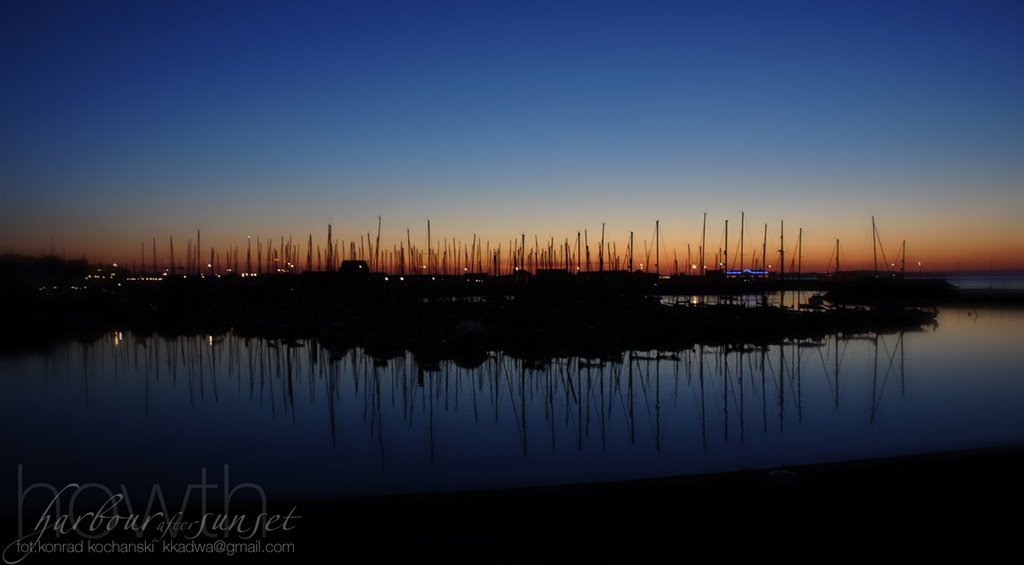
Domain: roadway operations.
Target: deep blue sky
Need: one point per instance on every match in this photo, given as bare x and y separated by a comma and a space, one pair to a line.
126, 120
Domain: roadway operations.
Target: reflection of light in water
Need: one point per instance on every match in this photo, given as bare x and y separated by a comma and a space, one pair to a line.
359, 425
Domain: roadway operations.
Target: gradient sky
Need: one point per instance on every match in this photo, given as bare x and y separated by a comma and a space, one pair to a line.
123, 121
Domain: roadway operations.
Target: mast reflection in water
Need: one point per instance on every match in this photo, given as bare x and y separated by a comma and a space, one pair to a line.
303, 421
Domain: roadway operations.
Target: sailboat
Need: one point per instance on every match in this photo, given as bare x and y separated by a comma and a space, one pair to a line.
887, 287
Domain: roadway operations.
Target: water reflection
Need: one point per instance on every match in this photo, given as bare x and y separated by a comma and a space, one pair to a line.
347, 422
577, 396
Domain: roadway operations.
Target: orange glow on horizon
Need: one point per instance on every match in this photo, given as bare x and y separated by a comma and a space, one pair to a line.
816, 258
965, 242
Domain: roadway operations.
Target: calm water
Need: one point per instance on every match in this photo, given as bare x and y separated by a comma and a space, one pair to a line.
1010, 280
144, 410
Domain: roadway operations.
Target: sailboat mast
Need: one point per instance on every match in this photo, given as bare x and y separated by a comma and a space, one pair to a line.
522, 252
330, 251
631, 251
764, 249
578, 251
703, 236
782, 249
725, 254
874, 246
376, 248
837, 255
657, 247
309, 253
800, 254
742, 224
903, 265
586, 247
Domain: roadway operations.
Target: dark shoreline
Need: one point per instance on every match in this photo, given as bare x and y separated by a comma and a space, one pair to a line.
915, 506
789, 512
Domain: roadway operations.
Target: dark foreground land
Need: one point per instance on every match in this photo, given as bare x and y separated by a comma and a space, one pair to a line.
940, 505
952, 505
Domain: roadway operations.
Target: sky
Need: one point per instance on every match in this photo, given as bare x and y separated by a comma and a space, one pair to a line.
124, 121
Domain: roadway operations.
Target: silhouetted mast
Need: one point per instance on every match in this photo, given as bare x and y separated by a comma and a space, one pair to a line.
522, 251
657, 248
536, 252
903, 266
874, 247
703, 238
725, 253
330, 251
764, 249
782, 249
800, 254
586, 246
579, 258
742, 225
837, 255
631, 251
309, 253
408, 241
376, 248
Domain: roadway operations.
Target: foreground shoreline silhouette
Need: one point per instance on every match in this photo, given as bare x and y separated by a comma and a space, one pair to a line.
929, 505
